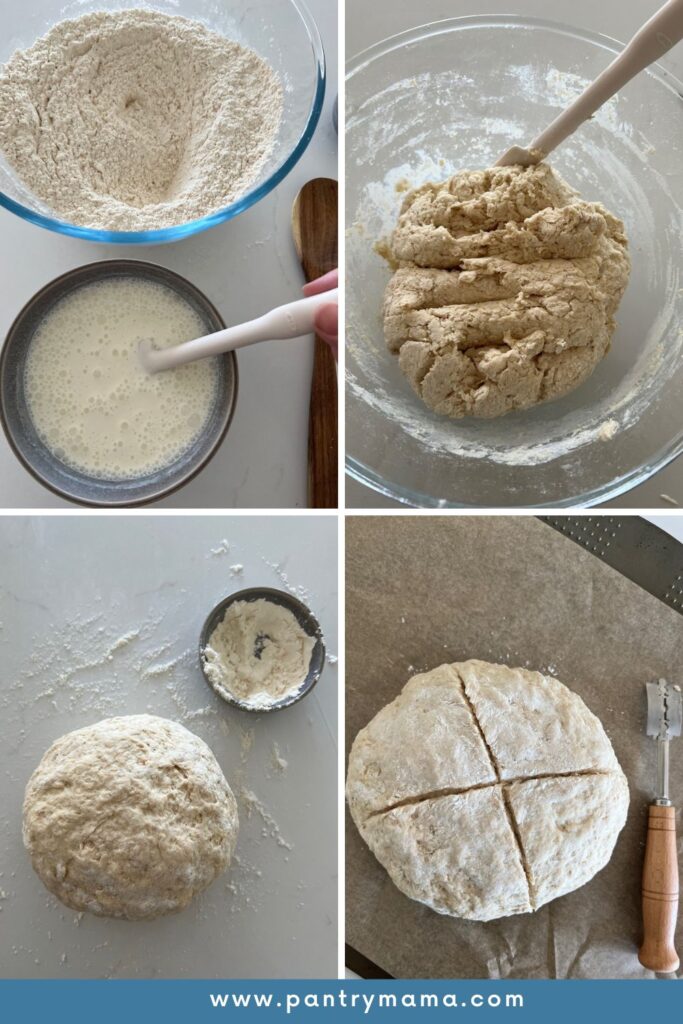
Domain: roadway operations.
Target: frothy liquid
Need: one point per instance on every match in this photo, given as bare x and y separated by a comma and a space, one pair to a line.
90, 400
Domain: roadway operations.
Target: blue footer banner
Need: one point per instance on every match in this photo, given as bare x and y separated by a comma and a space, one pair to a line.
190, 1001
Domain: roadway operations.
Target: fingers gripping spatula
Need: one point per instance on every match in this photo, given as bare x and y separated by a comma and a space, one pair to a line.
660, 870
293, 320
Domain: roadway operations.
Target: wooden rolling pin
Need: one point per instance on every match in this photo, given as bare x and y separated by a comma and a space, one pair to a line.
314, 226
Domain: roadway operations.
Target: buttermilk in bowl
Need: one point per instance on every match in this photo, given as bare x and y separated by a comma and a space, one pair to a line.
92, 403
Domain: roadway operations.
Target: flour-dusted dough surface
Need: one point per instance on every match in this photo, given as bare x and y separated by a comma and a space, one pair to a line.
486, 791
416, 845
562, 826
131, 817
431, 723
505, 289
534, 725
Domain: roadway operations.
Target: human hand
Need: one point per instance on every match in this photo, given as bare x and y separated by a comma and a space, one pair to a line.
327, 317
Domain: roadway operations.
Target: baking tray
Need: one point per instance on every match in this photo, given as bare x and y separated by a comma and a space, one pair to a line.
424, 590
635, 548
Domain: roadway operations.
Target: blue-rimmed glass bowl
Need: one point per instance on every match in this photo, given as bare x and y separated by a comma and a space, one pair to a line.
281, 31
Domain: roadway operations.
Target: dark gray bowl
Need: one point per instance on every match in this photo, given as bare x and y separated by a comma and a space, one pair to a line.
304, 617
40, 461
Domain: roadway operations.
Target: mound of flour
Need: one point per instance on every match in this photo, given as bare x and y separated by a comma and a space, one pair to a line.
135, 120
258, 654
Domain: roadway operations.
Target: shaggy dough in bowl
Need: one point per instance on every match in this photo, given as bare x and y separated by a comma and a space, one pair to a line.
505, 290
130, 818
486, 791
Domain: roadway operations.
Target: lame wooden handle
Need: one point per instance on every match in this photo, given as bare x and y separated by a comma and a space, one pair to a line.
660, 892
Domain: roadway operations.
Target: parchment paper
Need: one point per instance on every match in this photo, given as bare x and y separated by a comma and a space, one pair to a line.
424, 590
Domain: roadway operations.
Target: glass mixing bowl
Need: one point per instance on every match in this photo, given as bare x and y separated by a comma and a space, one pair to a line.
456, 94
281, 31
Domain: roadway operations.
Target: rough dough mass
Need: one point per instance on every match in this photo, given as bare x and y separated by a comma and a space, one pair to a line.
486, 791
505, 289
131, 817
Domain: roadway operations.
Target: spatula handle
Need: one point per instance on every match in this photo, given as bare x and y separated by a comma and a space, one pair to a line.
660, 892
652, 41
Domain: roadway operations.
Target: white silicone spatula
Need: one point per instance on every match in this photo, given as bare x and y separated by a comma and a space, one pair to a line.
655, 38
290, 321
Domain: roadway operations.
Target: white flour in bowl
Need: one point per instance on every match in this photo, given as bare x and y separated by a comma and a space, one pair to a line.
258, 654
135, 120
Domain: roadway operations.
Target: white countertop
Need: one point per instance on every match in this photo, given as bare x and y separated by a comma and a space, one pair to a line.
100, 616
245, 266
671, 524
369, 23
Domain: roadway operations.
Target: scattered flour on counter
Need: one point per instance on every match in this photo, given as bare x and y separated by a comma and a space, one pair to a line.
299, 591
180, 687
332, 659
119, 120
236, 570
66, 669
122, 641
258, 654
279, 762
271, 829
245, 885
206, 712
246, 743
149, 656
163, 668
222, 549
84, 667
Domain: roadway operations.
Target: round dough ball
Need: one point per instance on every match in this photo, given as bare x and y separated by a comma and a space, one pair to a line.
129, 818
505, 292
486, 791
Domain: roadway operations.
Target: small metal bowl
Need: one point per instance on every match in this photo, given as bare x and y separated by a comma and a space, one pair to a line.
36, 456
304, 617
